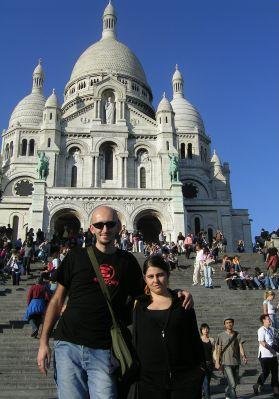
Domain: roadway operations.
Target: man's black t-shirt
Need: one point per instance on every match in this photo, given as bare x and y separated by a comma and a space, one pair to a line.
86, 319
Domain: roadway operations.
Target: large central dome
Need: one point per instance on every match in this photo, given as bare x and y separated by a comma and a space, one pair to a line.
108, 56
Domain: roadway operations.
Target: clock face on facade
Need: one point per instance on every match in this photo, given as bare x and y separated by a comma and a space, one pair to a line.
24, 188
189, 190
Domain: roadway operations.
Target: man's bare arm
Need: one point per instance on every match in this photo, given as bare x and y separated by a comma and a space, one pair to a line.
51, 316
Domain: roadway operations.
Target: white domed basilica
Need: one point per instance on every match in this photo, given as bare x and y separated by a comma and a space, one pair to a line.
106, 144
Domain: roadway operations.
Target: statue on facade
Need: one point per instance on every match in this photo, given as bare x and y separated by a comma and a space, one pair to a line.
109, 108
174, 168
76, 156
42, 166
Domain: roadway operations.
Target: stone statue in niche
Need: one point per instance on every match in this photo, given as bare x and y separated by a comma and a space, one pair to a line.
144, 157
109, 108
43, 166
76, 155
174, 168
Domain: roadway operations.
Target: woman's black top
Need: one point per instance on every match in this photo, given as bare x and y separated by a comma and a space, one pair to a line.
167, 340
208, 351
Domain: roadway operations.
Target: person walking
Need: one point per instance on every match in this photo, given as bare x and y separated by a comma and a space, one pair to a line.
37, 299
229, 351
14, 265
84, 363
267, 356
269, 307
198, 266
208, 347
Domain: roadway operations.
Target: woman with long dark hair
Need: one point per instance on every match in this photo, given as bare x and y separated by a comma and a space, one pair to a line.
167, 339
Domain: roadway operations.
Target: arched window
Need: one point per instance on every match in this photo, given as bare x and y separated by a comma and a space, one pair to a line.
31, 147
50, 116
189, 151
202, 154
197, 225
142, 178
166, 119
48, 142
182, 150
15, 227
168, 145
7, 151
24, 147
74, 176
210, 236
108, 163
205, 155
11, 148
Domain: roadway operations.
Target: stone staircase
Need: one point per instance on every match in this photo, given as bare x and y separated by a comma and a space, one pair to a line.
19, 377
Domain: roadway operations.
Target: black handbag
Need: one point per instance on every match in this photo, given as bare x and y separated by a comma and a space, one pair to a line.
120, 336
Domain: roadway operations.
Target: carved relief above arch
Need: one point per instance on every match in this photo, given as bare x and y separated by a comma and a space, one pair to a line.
142, 145
84, 149
194, 189
102, 140
111, 84
160, 212
9, 188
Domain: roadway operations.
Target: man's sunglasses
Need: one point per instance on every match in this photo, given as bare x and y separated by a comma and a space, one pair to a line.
100, 225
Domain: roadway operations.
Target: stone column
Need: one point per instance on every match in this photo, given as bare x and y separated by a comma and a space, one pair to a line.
226, 229
247, 237
119, 160
120, 112
38, 205
97, 111
96, 170
125, 172
179, 219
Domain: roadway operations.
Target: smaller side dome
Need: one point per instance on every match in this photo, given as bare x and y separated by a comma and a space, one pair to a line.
215, 159
52, 100
29, 111
164, 105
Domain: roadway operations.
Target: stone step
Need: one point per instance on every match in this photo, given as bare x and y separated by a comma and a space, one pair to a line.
20, 378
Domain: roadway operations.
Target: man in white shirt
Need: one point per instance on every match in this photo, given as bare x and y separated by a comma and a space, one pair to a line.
267, 356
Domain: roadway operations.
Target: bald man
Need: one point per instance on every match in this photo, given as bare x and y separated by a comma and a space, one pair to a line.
84, 363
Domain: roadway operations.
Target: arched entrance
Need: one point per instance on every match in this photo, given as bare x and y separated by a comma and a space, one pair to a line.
66, 220
148, 223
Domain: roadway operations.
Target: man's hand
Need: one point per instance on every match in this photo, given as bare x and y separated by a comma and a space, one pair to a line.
43, 358
188, 302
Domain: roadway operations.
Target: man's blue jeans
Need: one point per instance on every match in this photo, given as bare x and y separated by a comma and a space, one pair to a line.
82, 372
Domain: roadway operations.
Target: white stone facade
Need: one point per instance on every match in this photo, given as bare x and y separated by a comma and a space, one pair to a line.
117, 155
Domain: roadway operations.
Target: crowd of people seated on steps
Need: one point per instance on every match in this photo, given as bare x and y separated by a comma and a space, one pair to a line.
238, 277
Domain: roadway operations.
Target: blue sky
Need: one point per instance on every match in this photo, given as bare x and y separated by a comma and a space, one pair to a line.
227, 51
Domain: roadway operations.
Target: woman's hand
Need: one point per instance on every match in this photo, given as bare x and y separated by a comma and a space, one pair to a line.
186, 296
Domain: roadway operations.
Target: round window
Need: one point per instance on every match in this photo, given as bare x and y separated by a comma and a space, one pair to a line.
189, 190
24, 188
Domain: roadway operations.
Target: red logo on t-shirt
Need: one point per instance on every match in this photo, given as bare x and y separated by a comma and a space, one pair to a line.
108, 274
